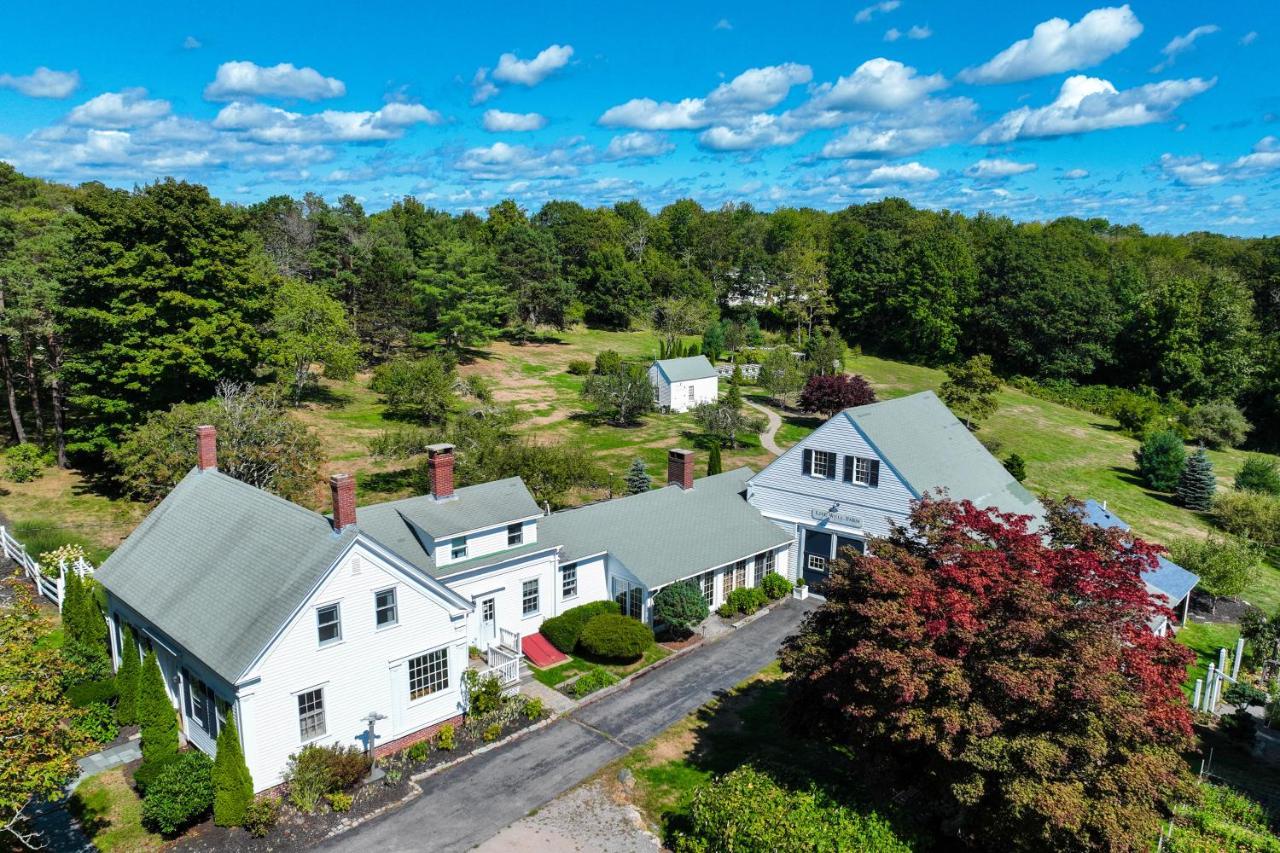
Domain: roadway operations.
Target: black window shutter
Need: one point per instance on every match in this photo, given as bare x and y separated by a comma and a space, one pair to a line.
831, 469
808, 461
875, 473
848, 469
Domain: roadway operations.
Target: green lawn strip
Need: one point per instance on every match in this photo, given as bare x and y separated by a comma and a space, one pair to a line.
1205, 639
110, 812
578, 664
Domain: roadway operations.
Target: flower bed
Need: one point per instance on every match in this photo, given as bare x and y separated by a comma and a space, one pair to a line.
294, 828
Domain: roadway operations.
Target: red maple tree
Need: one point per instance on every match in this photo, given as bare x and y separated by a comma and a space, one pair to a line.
831, 394
1009, 672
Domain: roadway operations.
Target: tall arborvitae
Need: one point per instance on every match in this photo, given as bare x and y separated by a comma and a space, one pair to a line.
714, 465
72, 608
232, 783
1196, 485
156, 718
127, 681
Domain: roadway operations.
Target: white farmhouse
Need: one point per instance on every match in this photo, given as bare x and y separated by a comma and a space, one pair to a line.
679, 384
305, 623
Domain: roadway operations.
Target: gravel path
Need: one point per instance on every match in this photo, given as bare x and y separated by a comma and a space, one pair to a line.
587, 819
775, 423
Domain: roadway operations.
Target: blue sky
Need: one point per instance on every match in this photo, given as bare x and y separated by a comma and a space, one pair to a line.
1166, 114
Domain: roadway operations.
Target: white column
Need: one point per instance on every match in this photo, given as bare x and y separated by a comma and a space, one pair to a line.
1235, 664
1208, 693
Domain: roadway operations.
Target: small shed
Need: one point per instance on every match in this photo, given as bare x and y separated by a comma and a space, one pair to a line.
679, 384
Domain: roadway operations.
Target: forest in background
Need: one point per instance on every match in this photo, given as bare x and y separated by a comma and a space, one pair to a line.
115, 304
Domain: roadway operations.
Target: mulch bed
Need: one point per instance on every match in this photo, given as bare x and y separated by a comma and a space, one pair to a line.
1226, 610
679, 645
296, 830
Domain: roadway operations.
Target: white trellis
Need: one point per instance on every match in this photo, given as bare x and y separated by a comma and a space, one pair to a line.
50, 586
1208, 690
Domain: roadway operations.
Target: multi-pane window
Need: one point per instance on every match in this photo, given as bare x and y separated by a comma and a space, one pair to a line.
328, 624
384, 608
201, 704
862, 471
428, 674
459, 550
824, 464
569, 580
708, 583
817, 562
630, 598
764, 565
515, 534
735, 577
311, 714
635, 603
529, 597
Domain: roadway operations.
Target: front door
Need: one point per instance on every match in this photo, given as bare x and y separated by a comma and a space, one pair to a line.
488, 621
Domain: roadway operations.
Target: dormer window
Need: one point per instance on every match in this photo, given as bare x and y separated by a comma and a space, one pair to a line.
863, 471
459, 551
515, 534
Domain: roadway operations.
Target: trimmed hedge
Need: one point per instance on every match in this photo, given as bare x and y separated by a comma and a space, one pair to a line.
91, 692
563, 630
747, 599
612, 636
180, 795
680, 607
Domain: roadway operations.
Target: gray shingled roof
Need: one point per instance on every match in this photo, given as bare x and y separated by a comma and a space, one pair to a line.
1168, 578
929, 447
685, 369
219, 566
669, 533
471, 508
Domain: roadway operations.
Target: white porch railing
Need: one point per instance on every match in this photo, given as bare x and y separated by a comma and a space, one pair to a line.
507, 672
51, 587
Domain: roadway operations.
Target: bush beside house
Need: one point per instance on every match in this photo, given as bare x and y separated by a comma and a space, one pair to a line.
127, 681
562, 631
612, 636
158, 722
232, 783
180, 795
680, 607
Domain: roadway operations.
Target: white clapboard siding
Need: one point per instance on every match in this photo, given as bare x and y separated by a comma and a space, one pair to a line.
366, 671
483, 543
663, 387
704, 391
505, 584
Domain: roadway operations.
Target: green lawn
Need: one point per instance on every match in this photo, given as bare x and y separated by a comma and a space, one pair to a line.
1205, 639
110, 813
577, 664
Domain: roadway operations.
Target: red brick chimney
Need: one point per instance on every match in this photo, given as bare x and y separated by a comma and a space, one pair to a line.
343, 487
440, 461
206, 448
680, 468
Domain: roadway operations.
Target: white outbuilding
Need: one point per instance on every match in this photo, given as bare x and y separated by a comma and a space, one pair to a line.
679, 384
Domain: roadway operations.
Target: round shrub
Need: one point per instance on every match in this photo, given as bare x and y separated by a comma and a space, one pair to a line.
612, 636
579, 367
562, 631
680, 607
180, 795
1217, 424
746, 599
261, 815
1259, 474
775, 586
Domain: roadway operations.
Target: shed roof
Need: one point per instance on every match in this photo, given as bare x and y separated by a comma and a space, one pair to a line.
929, 447
1168, 578
667, 534
220, 565
686, 369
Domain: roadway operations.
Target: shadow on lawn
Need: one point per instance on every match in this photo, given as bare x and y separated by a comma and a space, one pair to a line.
1131, 477
748, 726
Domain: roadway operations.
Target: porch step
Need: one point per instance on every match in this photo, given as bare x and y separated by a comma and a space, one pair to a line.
539, 651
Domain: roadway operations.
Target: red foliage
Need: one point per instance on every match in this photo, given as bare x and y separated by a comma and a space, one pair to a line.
1011, 671
830, 394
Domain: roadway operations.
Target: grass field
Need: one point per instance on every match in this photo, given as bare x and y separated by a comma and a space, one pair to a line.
110, 812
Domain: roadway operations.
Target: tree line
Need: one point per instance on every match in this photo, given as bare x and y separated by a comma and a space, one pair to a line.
118, 303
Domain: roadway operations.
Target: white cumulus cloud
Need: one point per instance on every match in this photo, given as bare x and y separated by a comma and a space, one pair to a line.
531, 72
127, 108
916, 33
878, 84
1075, 174
236, 80
497, 121
905, 173
750, 92
760, 131
42, 83
638, 145
1057, 45
504, 162
1089, 103
274, 125
867, 13
996, 169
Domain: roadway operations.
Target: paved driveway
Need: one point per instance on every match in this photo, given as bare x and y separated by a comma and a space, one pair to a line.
466, 805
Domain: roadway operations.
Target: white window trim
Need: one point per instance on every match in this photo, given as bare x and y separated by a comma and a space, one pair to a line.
395, 609
862, 471
324, 705
337, 641
454, 554
435, 694
537, 610
569, 567
516, 528
813, 463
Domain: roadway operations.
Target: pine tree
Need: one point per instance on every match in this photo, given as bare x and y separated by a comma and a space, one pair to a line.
638, 479
127, 681
232, 783
714, 465
156, 718
1016, 466
1196, 485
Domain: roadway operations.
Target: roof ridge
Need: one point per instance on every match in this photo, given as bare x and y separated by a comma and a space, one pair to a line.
395, 501
297, 507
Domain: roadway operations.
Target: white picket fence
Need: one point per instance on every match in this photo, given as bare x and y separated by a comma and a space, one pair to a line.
50, 587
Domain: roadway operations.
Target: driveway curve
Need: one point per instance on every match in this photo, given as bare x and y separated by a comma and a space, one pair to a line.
472, 802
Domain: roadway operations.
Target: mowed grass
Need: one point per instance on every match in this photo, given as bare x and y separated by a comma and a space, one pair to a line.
110, 812
1206, 639
554, 676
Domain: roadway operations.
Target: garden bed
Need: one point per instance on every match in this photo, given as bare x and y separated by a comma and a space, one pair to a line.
295, 828
562, 676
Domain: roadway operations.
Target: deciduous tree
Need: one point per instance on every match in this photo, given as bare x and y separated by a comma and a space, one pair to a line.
831, 394
970, 390
620, 397
309, 327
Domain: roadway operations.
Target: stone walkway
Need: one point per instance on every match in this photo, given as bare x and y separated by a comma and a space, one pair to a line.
553, 700
775, 423
92, 765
